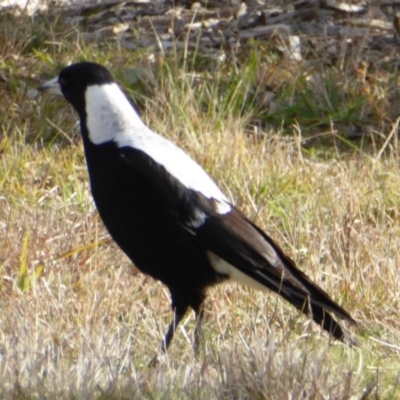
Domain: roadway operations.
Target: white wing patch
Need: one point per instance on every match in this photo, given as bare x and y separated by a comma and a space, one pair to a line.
234, 274
199, 218
110, 117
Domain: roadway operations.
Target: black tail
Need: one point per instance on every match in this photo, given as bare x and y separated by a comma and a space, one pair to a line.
319, 314
245, 247
318, 300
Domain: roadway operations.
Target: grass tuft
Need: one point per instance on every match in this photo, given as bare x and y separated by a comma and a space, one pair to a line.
78, 321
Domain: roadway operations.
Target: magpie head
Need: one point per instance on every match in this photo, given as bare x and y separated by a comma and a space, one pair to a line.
74, 80
104, 110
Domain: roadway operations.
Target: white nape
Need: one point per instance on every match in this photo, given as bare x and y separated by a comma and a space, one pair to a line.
109, 113
110, 117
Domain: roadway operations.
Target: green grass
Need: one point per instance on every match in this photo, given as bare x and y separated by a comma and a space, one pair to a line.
78, 321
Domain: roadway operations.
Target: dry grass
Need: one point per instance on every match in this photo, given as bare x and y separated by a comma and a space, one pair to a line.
79, 322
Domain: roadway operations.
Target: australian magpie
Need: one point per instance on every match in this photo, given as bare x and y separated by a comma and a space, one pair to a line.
169, 216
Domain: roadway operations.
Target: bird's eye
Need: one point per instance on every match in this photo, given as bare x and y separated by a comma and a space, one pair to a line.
63, 82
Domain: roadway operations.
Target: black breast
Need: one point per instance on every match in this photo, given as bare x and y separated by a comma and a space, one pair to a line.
143, 207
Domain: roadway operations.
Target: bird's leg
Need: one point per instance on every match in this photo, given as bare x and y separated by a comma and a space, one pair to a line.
197, 305
179, 313
197, 330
